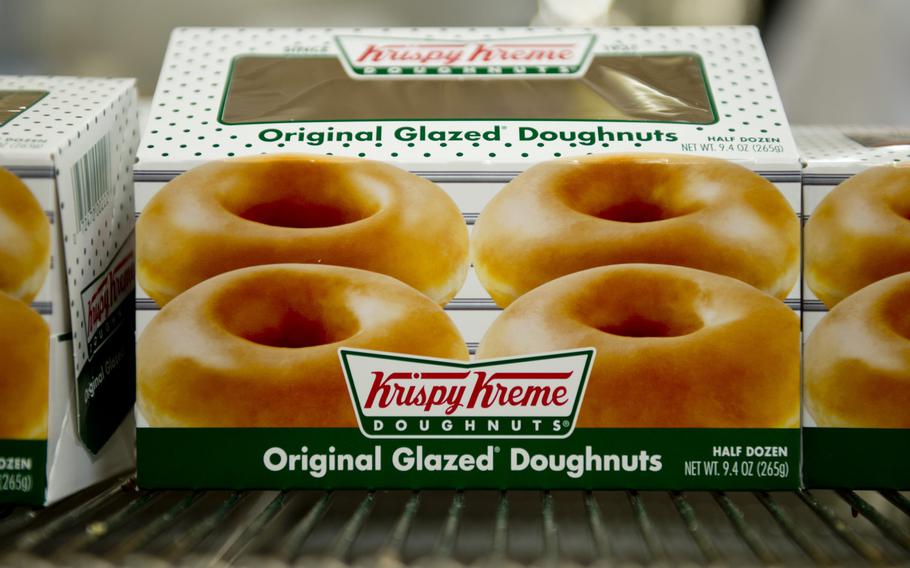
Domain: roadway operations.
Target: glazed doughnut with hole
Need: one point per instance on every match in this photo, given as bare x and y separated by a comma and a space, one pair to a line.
676, 347
857, 359
242, 212
24, 371
259, 346
859, 233
25, 240
571, 214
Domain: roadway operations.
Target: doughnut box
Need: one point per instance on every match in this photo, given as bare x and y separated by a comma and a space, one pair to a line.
67, 282
856, 373
468, 258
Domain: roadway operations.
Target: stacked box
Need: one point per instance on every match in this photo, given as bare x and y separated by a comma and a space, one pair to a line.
856, 195
501, 258
67, 147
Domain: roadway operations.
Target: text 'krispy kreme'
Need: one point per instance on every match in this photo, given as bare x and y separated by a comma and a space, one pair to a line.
480, 389
108, 292
480, 52
531, 55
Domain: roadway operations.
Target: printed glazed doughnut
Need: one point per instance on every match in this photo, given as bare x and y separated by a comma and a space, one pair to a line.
25, 240
567, 215
259, 346
24, 370
300, 209
857, 359
859, 233
676, 347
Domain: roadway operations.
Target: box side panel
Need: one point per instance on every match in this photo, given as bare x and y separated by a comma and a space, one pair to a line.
843, 447
95, 194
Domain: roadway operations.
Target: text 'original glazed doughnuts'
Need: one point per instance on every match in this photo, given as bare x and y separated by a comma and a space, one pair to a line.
300, 209
24, 369
567, 215
259, 346
859, 233
676, 347
857, 359
25, 240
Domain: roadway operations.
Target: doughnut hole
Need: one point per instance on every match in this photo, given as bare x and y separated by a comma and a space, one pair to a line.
634, 211
900, 204
892, 184
630, 193
299, 195
276, 319
296, 213
649, 309
635, 325
896, 312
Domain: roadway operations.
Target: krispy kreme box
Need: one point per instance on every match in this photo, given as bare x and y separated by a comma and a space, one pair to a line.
67, 147
848, 441
272, 157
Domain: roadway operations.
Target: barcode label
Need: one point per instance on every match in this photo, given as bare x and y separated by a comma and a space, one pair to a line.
92, 182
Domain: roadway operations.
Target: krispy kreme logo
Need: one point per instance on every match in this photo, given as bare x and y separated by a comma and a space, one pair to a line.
101, 298
400, 396
367, 57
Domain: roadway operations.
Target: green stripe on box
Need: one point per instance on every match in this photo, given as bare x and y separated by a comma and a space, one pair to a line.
23, 471
233, 458
857, 458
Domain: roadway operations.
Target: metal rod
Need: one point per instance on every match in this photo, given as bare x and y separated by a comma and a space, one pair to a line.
351, 529
147, 533
690, 520
889, 529
32, 538
99, 529
646, 527
395, 544
16, 519
499, 550
898, 500
838, 527
198, 532
812, 550
744, 530
445, 546
602, 544
296, 538
255, 528
473, 304
550, 531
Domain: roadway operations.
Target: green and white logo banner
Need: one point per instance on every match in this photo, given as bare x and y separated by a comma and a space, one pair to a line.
367, 57
398, 396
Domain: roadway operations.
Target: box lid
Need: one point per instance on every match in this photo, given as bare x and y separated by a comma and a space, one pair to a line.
465, 99
846, 150
40, 116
